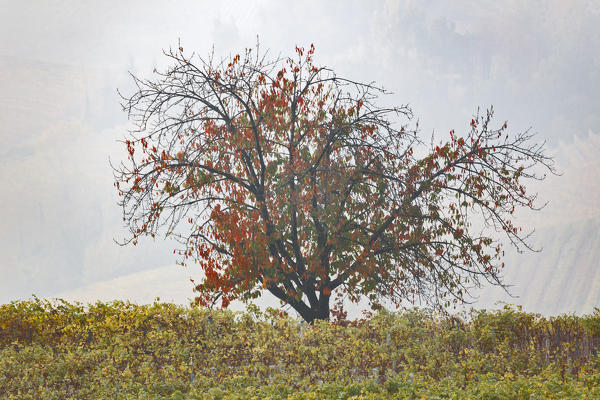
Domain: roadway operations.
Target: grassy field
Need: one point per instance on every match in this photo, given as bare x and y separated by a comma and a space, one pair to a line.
118, 350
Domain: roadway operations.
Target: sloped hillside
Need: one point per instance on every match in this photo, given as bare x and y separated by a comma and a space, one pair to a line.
564, 276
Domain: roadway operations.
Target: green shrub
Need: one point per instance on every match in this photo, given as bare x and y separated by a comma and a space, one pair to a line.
162, 351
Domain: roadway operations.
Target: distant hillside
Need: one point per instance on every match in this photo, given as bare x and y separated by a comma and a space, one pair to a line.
565, 276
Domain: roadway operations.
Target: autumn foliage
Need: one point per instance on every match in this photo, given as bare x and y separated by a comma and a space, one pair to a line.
280, 175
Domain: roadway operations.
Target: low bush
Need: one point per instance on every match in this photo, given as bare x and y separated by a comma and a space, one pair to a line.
119, 350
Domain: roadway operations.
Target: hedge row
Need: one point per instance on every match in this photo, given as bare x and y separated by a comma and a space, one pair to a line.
121, 350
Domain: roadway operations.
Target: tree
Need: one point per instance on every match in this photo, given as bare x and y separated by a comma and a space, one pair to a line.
281, 175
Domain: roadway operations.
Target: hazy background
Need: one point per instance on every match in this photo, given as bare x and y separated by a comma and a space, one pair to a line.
61, 62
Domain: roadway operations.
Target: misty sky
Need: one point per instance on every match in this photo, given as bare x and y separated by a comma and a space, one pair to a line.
536, 62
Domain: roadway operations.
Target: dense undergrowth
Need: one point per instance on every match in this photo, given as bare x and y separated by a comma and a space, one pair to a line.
118, 350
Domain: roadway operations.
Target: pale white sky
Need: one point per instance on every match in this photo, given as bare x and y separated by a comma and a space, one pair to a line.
61, 62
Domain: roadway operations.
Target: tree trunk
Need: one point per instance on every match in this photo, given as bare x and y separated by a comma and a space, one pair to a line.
311, 314
323, 312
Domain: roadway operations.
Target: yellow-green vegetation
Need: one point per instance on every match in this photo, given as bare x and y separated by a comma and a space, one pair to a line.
118, 350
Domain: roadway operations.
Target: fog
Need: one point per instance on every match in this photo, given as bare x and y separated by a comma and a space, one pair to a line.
61, 63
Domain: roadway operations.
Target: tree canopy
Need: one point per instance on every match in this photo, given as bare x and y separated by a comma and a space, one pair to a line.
280, 175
